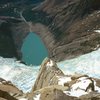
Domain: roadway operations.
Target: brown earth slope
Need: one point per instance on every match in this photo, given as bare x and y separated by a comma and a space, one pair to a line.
70, 31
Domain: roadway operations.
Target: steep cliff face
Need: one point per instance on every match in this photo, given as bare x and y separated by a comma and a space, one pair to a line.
7, 47
71, 27
68, 28
13, 28
12, 33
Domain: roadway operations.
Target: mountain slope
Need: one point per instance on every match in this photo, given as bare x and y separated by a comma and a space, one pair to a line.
70, 26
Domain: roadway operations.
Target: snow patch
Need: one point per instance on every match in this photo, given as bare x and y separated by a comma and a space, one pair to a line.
63, 80
37, 97
50, 63
96, 87
79, 88
97, 47
82, 84
98, 31
98, 11
75, 93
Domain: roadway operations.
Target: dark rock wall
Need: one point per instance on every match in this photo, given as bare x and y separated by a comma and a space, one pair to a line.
71, 27
19, 32
7, 47
12, 33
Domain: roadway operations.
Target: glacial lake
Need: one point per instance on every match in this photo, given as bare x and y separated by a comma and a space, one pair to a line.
33, 50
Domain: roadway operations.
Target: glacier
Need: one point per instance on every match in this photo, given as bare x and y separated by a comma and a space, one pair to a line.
86, 64
24, 76
19, 74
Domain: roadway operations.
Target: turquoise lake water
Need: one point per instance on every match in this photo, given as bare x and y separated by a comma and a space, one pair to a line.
33, 50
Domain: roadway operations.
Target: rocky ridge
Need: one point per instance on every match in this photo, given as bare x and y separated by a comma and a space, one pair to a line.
52, 84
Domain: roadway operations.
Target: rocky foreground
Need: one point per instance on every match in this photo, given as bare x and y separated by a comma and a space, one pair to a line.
53, 84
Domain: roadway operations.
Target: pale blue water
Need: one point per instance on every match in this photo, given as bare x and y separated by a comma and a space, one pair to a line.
33, 50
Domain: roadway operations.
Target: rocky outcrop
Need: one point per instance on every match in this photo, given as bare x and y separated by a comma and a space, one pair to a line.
47, 75
52, 84
10, 92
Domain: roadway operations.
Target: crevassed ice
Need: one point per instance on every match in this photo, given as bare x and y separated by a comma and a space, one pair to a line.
86, 64
24, 76
19, 74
